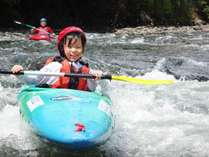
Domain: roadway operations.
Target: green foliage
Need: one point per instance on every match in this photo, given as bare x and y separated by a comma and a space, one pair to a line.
203, 7
11, 2
107, 13
206, 11
173, 12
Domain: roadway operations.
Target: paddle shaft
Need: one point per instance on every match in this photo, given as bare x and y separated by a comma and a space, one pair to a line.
20, 23
87, 76
29, 26
90, 76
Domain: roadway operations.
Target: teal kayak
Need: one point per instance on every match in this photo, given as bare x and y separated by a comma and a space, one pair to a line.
73, 118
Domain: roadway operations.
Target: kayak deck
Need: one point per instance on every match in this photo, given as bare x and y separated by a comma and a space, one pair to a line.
38, 37
74, 118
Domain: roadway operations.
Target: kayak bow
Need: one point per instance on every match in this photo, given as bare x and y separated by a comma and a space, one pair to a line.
73, 118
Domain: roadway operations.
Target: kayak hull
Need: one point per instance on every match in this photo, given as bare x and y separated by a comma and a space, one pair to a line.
38, 37
73, 118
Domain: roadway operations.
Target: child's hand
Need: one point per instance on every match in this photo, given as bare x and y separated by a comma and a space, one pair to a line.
97, 74
32, 31
16, 68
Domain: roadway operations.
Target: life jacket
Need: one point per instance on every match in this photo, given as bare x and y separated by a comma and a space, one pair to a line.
43, 30
70, 82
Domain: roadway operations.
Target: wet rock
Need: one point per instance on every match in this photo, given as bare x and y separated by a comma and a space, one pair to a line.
145, 30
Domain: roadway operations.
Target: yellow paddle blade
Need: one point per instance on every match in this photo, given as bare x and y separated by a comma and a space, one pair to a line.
142, 81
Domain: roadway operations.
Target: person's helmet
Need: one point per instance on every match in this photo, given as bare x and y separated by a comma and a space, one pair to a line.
65, 32
43, 20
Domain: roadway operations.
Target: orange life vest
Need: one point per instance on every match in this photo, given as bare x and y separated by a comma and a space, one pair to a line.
67, 82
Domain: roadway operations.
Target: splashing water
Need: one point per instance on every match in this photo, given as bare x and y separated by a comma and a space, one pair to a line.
167, 120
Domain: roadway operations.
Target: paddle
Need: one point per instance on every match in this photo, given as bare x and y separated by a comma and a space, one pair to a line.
89, 76
29, 26
21, 23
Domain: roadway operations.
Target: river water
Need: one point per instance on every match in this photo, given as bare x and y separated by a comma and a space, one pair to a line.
150, 121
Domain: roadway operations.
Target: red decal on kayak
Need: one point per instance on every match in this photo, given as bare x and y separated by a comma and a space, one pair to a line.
79, 127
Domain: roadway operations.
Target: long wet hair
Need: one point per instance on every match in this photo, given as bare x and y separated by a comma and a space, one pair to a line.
71, 36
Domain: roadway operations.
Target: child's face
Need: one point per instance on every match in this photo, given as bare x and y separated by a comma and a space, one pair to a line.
73, 49
43, 24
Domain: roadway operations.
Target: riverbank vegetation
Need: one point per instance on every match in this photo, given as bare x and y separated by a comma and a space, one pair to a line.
102, 14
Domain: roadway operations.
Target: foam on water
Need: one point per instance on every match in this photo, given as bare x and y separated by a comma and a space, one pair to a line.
15, 134
153, 121
158, 75
165, 120
149, 120
137, 41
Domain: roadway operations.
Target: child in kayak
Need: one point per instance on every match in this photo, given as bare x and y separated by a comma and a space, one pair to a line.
43, 29
71, 44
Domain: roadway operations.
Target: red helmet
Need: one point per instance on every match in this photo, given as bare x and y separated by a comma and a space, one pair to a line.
66, 31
